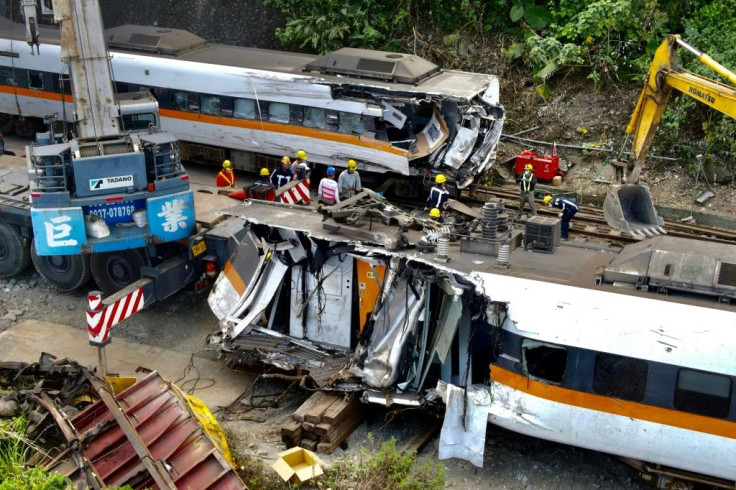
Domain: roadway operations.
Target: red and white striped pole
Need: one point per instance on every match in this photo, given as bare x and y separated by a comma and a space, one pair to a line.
98, 335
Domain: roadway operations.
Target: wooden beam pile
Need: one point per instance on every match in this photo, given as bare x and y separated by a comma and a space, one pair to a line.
323, 422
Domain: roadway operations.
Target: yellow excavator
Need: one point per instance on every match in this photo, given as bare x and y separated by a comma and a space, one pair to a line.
629, 207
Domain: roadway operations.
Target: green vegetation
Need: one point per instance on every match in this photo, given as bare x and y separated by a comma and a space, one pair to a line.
372, 469
14, 451
386, 468
607, 42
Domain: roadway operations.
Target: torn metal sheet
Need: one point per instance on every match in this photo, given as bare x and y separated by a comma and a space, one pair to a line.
462, 145
450, 312
261, 296
321, 364
393, 115
394, 324
237, 277
463, 432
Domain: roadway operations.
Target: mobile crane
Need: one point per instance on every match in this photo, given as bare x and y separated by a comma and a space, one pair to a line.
104, 202
629, 207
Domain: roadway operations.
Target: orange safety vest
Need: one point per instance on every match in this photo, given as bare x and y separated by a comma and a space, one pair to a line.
226, 178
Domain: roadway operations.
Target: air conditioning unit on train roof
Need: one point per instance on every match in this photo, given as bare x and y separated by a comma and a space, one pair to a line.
671, 263
152, 39
378, 65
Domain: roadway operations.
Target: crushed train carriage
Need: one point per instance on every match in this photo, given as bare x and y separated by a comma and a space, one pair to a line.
393, 113
583, 346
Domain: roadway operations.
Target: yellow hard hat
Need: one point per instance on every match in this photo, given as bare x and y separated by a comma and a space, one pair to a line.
440, 179
226, 164
434, 213
286, 160
528, 166
301, 154
352, 165
547, 200
264, 172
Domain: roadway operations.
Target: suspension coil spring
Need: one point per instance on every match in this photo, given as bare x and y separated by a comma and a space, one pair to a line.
490, 220
504, 253
443, 247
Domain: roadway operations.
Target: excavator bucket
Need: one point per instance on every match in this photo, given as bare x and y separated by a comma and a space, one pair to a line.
629, 208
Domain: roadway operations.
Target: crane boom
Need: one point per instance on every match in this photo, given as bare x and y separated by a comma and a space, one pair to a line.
84, 48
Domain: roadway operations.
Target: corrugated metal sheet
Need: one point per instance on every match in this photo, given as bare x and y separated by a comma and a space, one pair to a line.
171, 434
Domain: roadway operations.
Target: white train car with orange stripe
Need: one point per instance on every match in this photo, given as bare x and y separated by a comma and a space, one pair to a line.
393, 113
636, 377
627, 350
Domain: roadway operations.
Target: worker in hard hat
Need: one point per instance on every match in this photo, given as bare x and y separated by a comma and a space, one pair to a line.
436, 215
265, 178
438, 195
282, 175
349, 180
328, 192
527, 181
569, 207
226, 177
299, 166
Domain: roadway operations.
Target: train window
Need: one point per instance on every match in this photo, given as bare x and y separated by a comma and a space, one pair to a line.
296, 114
62, 84
245, 109
703, 393
210, 104
138, 122
351, 123
314, 117
544, 361
620, 377
332, 120
7, 77
193, 102
35, 79
178, 100
226, 105
278, 112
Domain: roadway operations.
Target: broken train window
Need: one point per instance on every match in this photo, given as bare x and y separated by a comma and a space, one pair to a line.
620, 377
544, 361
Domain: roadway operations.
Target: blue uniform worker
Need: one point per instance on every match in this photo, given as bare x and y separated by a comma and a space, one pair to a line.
282, 175
568, 206
438, 195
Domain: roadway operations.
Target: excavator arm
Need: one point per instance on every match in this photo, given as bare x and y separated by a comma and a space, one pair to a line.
665, 76
629, 207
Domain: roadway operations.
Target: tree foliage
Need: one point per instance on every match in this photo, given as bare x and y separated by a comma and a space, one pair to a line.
609, 42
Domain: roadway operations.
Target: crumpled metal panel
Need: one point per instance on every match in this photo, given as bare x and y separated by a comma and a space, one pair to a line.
170, 432
394, 325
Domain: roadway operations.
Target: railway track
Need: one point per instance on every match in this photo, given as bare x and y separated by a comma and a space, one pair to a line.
594, 223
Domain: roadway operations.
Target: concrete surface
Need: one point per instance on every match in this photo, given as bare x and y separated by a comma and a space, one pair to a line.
27, 340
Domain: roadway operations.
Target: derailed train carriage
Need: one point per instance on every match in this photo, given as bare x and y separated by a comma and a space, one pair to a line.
394, 113
626, 350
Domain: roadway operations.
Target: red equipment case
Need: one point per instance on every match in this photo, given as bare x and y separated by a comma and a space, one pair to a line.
544, 167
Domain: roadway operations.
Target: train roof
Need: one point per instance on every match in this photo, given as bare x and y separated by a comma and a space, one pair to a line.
394, 71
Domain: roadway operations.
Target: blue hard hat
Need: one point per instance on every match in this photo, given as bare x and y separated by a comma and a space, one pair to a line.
330, 170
